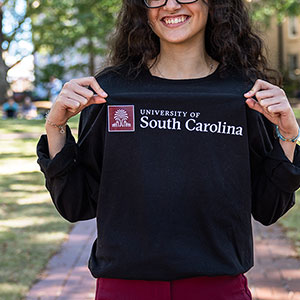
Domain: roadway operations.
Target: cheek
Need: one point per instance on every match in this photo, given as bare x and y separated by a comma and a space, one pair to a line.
152, 16
201, 9
153, 21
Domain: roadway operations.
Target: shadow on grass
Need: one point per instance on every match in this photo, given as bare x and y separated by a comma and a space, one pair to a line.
16, 155
31, 230
25, 178
25, 253
29, 126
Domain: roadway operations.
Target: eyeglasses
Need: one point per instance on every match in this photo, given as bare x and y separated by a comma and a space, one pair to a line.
160, 3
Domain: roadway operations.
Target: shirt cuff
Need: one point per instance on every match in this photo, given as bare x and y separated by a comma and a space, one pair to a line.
281, 171
63, 161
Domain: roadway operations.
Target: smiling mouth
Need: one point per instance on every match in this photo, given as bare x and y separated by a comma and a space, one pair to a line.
175, 20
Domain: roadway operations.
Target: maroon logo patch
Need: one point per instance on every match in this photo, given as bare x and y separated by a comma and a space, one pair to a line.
121, 118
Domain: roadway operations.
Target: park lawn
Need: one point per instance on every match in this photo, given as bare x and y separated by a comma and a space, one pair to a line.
291, 223
31, 230
32, 126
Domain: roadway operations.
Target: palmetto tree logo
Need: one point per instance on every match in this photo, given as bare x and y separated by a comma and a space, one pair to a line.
121, 117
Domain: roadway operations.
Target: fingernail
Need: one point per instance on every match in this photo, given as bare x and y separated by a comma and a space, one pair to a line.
104, 94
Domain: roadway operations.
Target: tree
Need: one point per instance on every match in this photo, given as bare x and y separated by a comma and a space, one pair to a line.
57, 27
263, 10
63, 26
3, 67
12, 23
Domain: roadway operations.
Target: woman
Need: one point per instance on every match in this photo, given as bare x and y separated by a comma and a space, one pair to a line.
176, 153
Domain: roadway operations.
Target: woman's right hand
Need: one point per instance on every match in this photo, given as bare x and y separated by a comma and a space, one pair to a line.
74, 97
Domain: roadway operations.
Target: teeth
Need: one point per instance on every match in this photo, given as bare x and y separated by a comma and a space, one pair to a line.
175, 20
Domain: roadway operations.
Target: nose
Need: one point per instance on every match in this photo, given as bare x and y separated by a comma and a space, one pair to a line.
172, 5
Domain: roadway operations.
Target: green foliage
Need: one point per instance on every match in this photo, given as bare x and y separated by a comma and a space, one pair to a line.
291, 86
43, 74
62, 26
263, 10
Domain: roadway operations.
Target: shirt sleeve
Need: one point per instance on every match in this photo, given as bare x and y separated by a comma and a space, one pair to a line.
73, 175
274, 178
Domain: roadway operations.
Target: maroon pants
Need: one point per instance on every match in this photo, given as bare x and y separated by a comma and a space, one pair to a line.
195, 288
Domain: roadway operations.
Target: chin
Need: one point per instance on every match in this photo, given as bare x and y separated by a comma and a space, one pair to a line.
176, 40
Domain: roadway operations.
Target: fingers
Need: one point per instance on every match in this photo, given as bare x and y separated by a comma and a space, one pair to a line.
92, 82
83, 91
89, 95
76, 89
81, 99
266, 103
254, 105
78, 103
75, 96
72, 105
259, 85
277, 108
264, 94
97, 100
273, 104
267, 95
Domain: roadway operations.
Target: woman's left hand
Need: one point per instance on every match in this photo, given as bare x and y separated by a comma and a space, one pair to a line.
274, 105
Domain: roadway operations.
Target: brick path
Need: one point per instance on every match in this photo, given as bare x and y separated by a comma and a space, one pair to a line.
276, 275
67, 276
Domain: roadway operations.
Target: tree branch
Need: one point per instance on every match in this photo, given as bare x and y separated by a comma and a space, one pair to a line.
17, 62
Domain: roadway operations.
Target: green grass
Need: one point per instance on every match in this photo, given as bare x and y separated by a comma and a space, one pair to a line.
29, 126
291, 223
31, 230
297, 112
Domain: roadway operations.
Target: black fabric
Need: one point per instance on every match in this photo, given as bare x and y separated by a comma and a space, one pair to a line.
176, 202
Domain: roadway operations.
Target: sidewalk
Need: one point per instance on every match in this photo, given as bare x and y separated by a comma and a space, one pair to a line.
276, 275
67, 276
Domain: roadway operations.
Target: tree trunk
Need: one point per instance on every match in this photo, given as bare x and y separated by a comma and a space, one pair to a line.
280, 48
3, 67
91, 58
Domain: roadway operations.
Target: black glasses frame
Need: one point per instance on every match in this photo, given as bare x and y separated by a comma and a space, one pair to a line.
178, 1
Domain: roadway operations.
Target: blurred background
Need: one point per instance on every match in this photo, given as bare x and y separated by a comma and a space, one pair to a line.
45, 43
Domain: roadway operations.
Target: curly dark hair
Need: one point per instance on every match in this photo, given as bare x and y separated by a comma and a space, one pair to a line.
229, 39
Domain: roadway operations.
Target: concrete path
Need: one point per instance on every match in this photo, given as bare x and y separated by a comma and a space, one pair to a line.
26, 135
276, 275
20, 135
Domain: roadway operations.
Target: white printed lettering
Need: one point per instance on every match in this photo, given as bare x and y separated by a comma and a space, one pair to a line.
187, 125
239, 131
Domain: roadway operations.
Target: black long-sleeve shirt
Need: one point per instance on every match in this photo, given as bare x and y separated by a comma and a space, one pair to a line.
172, 170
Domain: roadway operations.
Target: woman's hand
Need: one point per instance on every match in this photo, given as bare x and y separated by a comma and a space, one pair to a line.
274, 105
74, 97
